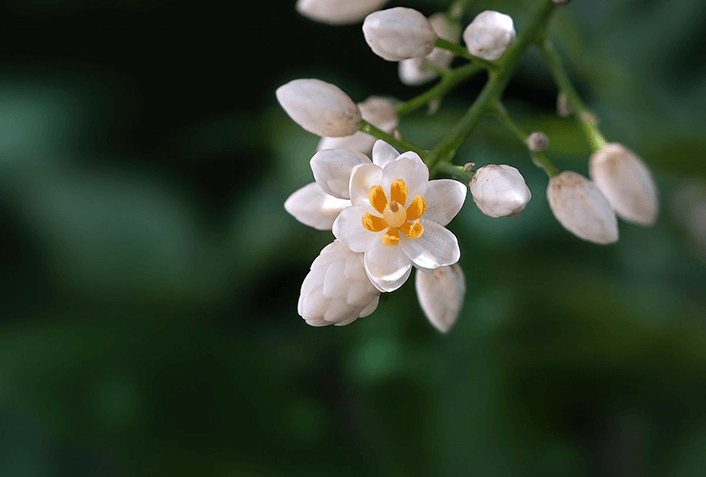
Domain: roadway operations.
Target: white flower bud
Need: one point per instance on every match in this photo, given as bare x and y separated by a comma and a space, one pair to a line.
380, 112
399, 33
337, 290
626, 182
319, 107
581, 208
499, 190
537, 141
440, 293
489, 35
338, 12
412, 71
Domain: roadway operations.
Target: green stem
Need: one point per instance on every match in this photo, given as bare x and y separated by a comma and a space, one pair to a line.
454, 48
586, 119
403, 144
495, 86
458, 172
448, 82
539, 159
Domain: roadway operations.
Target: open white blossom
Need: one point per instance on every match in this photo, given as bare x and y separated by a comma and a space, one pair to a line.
319, 107
489, 35
397, 217
338, 12
581, 208
412, 70
380, 112
499, 190
440, 293
399, 33
337, 290
626, 182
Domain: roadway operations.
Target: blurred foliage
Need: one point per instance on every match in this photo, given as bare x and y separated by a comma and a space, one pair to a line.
151, 274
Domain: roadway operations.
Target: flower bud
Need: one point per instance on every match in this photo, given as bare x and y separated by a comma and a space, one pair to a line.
338, 12
337, 290
626, 182
537, 141
319, 107
499, 190
380, 112
581, 208
489, 35
412, 71
561, 3
440, 293
399, 33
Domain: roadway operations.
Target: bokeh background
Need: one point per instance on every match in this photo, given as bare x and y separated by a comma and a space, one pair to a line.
149, 273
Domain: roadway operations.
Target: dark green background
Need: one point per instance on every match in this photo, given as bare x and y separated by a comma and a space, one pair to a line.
149, 273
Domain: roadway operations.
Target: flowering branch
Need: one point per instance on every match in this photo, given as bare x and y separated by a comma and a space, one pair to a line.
403, 144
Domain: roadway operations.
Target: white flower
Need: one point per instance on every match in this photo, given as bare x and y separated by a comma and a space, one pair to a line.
412, 71
489, 35
440, 295
626, 182
338, 12
397, 217
380, 112
581, 208
337, 291
399, 33
499, 190
319, 107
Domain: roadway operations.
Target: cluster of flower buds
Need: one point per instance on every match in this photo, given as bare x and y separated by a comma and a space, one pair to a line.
386, 215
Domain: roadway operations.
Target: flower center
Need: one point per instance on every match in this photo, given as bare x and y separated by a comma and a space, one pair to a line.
394, 217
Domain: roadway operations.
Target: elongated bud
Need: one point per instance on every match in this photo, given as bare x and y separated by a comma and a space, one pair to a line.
319, 107
440, 293
412, 71
337, 290
399, 33
499, 190
338, 12
581, 208
380, 112
626, 182
489, 35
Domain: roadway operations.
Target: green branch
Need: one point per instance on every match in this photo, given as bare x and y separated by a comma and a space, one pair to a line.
402, 144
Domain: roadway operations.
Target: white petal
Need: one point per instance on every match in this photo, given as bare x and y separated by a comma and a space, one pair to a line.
387, 267
348, 228
444, 199
440, 295
338, 12
363, 177
312, 206
436, 247
410, 168
360, 141
332, 170
383, 153
370, 307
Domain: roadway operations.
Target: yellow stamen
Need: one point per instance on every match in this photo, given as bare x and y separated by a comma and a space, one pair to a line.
391, 237
416, 208
398, 192
394, 215
374, 223
413, 230
377, 198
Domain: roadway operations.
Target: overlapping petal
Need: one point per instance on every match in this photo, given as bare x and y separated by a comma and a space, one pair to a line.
410, 168
444, 198
436, 247
383, 153
332, 170
312, 206
348, 228
387, 267
363, 177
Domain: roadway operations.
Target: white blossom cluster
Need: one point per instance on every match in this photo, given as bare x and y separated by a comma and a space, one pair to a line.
385, 213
